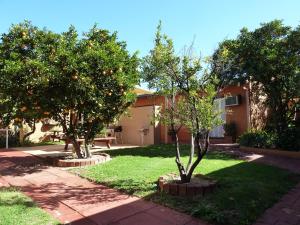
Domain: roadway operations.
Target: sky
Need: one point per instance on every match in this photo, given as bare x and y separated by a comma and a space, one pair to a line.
207, 22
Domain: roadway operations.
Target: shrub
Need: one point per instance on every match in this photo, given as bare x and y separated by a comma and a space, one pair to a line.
258, 139
290, 139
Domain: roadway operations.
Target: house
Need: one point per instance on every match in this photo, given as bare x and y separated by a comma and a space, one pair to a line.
238, 104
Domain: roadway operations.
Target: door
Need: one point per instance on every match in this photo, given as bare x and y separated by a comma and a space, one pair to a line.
220, 107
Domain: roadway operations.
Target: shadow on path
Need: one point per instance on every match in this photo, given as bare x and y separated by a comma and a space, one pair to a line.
74, 200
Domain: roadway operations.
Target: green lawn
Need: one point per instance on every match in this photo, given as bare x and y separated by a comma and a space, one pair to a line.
245, 189
16, 208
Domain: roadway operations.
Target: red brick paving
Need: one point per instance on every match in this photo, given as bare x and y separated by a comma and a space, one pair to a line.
290, 164
76, 201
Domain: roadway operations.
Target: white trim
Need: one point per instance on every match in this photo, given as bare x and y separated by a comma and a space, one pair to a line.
219, 105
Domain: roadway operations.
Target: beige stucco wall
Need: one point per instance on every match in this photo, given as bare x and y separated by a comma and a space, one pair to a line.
42, 132
38, 135
139, 118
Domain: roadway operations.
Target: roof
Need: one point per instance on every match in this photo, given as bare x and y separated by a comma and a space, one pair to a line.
140, 91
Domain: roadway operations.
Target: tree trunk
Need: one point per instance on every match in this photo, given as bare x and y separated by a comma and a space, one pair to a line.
181, 169
25, 136
77, 148
29, 133
88, 153
201, 153
192, 152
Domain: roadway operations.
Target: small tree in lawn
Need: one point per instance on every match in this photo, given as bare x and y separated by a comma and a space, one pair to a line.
190, 98
23, 76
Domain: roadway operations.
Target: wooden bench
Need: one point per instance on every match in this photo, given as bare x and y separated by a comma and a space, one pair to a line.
106, 140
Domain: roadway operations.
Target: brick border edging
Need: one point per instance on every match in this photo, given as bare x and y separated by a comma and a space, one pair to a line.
82, 162
274, 152
186, 189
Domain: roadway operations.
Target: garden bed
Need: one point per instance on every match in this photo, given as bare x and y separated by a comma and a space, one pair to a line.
199, 185
71, 162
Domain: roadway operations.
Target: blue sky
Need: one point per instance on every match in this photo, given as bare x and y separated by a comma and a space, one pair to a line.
208, 21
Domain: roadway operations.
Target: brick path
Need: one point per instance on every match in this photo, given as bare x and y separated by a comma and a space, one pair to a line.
77, 201
291, 164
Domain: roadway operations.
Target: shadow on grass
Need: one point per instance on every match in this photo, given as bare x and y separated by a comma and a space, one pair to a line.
244, 192
10, 196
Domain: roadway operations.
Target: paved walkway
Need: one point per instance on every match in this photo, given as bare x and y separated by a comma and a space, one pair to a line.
287, 210
290, 164
76, 201
58, 150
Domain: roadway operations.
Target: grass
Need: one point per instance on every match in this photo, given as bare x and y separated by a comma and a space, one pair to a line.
245, 189
16, 208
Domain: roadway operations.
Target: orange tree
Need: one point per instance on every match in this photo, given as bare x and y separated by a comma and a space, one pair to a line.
82, 83
23, 76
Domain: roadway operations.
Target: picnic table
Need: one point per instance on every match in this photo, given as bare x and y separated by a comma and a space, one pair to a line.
80, 141
106, 140
56, 135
